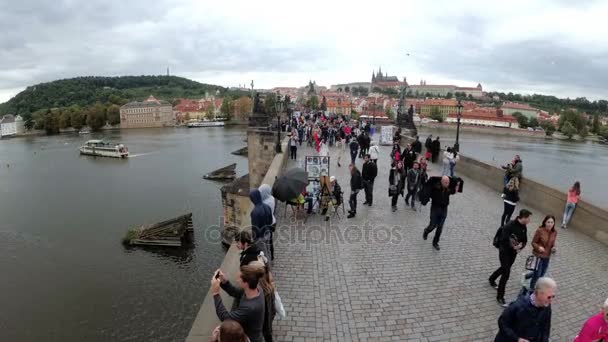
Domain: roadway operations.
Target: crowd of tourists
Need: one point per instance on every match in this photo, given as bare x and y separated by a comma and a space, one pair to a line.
527, 318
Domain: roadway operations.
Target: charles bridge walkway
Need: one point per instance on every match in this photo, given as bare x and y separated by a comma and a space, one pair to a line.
373, 277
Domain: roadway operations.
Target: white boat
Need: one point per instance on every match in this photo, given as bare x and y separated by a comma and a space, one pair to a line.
205, 124
84, 132
99, 148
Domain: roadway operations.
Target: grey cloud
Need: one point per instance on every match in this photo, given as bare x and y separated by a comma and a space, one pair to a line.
536, 63
50, 40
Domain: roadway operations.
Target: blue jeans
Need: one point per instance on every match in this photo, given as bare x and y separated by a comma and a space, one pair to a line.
543, 266
568, 211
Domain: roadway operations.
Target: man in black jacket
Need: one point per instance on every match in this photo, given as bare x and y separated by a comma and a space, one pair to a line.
440, 193
529, 317
512, 240
369, 173
354, 147
417, 146
355, 186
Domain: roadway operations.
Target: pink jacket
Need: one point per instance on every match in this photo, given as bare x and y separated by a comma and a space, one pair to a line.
593, 330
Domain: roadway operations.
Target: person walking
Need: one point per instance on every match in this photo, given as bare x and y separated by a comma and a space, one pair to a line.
356, 185
542, 245
250, 312
396, 153
413, 181
574, 195
261, 219
341, 148
510, 197
323, 149
512, 239
368, 174
435, 149
409, 157
428, 143
374, 152
354, 148
417, 146
528, 319
268, 199
439, 193
396, 182
293, 147
595, 328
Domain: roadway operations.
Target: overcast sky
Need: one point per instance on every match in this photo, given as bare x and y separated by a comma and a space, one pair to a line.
553, 47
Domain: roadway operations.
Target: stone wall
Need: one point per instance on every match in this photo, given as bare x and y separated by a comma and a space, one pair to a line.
588, 218
207, 320
261, 151
485, 129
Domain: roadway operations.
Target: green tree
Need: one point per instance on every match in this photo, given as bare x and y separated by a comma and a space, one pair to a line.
227, 108
339, 89
77, 119
427, 94
436, 114
533, 122
353, 114
65, 119
324, 104
313, 102
568, 129
595, 126
113, 114
390, 113
28, 121
576, 120
51, 122
548, 126
449, 95
604, 131
96, 117
210, 112
522, 120
347, 89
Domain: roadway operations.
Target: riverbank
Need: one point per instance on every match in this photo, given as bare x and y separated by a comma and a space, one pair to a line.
513, 132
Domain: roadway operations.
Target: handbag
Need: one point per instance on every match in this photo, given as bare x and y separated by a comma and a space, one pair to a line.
278, 306
392, 190
532, 263
496, 240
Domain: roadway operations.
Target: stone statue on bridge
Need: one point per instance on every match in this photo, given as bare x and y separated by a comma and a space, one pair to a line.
405, 118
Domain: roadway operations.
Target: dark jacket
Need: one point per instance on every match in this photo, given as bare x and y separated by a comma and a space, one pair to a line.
397, 177
428, 143
413, 179
337, 193
251, 253
513, 230
261, 216
355, 181
354, 146
435, 146
417, 146
370, 171
511, 196
432, 191
250, 312
524, 320
408, 157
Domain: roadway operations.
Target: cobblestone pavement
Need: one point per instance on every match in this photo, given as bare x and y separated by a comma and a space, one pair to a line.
352, 280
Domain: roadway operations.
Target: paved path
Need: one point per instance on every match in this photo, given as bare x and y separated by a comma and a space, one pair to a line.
347, 281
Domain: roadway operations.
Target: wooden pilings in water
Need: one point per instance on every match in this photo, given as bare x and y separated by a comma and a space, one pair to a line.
166, 233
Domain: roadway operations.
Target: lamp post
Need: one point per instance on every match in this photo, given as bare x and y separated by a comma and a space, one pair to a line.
279, 107
458, 116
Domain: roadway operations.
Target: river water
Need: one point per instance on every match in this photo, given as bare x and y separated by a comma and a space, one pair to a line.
552, 162
65, 274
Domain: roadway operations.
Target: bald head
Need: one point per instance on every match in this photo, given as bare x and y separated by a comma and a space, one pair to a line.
445, 181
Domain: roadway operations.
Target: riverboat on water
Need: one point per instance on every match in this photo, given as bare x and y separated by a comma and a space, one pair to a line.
99, 148
205, 124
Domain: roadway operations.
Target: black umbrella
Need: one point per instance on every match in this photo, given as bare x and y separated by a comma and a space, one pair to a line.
290, 184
